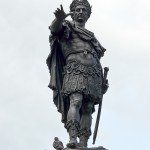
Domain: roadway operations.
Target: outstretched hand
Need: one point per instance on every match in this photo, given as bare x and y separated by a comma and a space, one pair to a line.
60, 14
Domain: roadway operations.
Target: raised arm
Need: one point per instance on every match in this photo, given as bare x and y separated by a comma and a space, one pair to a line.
60, 15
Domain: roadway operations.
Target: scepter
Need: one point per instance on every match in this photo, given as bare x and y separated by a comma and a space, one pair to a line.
106, 69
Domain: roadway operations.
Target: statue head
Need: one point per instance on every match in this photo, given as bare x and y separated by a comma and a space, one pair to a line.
80, 4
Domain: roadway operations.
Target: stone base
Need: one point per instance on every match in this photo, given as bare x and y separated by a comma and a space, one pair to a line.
94, 148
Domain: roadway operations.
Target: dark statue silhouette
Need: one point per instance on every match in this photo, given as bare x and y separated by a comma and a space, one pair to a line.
77, 77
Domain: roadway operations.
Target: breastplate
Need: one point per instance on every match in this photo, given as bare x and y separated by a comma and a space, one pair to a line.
74, 45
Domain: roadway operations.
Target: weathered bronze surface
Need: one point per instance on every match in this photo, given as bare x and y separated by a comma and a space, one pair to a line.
77, 78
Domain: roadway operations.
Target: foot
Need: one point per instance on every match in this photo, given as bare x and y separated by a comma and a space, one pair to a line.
82, 144
72, 144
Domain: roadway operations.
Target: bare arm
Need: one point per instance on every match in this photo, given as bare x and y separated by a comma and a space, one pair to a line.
60, 15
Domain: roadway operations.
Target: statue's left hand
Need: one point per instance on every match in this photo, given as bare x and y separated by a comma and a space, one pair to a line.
105, 87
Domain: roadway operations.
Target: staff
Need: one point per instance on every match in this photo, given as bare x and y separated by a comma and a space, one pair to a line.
106, 69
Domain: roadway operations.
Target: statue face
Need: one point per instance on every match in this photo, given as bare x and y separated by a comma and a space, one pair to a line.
80, 14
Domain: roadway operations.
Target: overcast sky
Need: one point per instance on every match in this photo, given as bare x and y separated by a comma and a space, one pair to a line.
28, 118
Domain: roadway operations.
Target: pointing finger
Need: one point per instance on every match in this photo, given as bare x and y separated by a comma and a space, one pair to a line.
61, 7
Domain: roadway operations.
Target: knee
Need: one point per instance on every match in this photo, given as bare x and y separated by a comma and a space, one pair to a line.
76, 100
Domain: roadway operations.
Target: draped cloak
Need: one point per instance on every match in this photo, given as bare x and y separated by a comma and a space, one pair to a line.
56, 62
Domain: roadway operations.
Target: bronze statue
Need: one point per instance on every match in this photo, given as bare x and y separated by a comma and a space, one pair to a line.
77, 78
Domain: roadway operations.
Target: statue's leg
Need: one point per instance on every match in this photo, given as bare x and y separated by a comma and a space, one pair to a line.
75, 105
85, 123
73, 118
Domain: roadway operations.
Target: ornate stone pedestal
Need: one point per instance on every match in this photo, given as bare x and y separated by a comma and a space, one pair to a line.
94, 148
